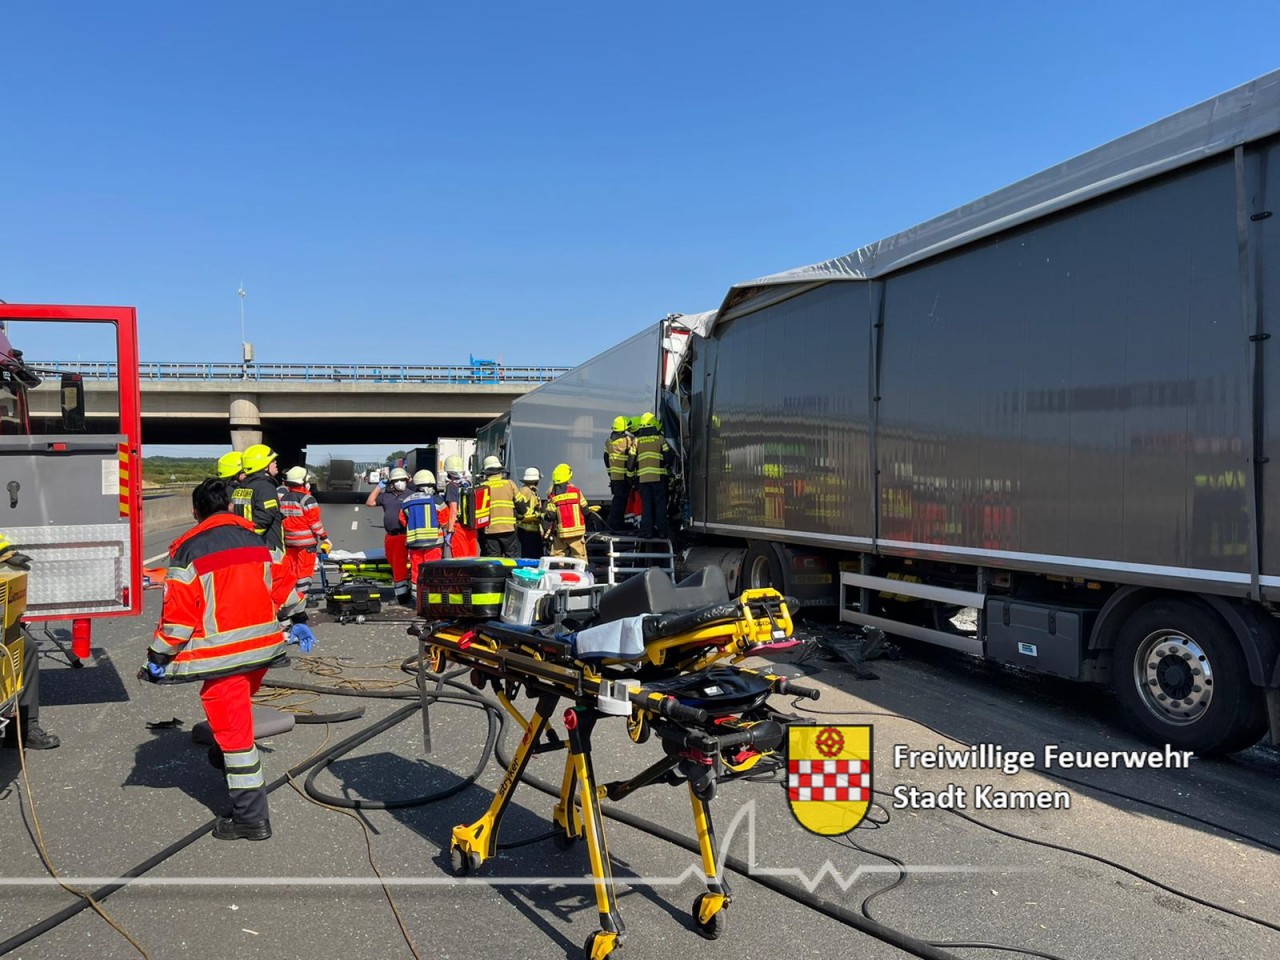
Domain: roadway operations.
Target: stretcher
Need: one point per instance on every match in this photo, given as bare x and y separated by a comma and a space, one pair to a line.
663, 658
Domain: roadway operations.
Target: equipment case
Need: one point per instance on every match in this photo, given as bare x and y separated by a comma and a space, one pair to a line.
472, 587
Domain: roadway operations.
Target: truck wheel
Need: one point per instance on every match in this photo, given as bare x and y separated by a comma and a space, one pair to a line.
762, 567
1182, 679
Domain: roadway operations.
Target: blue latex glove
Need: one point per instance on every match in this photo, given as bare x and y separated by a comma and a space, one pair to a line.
301, 634
151, 672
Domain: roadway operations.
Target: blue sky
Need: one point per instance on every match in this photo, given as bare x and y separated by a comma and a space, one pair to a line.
417, 183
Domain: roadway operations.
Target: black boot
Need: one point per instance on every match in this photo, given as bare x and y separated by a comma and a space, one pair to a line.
34, 737
228, 829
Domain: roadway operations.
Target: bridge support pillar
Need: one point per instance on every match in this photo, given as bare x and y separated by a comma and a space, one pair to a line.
246, 421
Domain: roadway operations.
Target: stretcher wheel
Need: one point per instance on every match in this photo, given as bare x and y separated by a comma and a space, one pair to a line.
706, 792
714, 928
563, 841
590, 946
637, 729
462, 863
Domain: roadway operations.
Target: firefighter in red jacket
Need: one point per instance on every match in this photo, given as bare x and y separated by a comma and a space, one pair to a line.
218, 625
566, 511
304, 534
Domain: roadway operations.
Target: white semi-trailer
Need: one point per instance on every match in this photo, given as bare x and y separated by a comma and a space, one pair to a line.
1056, 407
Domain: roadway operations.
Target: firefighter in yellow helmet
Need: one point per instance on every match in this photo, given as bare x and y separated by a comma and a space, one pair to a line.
619, 461
231, 468
256, 498
653, 460
567, 513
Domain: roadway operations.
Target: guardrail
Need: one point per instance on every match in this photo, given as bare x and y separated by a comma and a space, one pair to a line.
311, 372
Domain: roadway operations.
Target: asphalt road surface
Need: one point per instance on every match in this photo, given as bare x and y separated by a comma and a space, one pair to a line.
117, 793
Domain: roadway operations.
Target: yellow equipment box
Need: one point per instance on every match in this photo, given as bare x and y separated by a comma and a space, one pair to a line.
13, 604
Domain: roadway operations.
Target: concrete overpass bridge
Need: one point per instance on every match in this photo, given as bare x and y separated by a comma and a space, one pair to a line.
291, 406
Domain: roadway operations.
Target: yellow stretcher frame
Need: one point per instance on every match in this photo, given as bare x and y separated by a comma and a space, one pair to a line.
544, 668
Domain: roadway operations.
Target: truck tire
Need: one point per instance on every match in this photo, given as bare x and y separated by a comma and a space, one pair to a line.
762, 567
1182, 679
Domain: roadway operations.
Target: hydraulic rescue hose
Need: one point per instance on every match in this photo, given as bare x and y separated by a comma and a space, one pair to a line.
66, 913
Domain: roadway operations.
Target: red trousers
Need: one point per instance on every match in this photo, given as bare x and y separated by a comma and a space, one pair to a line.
230, 712
465, 542
398, 558
418, 557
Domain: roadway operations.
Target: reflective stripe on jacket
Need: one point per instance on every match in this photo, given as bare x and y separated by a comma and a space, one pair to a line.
218, 618
531, 518
569, 507
301, 512
258, 500
651, 454
421, 518
619, 450
502, 505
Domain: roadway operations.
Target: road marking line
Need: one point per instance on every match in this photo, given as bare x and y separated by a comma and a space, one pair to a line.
355, 524
150, 560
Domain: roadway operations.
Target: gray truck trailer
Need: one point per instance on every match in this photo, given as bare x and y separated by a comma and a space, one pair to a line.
1036, 429
1055, 407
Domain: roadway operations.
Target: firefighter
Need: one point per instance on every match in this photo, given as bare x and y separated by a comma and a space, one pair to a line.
218, 625
498, 536
304, 534
529, 515
567, 513
34, 737
424, 516
619, 461
231, 468
389, 495
257, 499
653, 458
461, 535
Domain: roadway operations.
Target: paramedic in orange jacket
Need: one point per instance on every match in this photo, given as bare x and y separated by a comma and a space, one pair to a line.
304, 534
218, 625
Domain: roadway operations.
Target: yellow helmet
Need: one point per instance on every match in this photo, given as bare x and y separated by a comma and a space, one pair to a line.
647, 419
562, 474
258, 457
619, 423
230, 465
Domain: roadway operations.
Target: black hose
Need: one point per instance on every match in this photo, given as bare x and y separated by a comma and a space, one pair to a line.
836, 911
66, 913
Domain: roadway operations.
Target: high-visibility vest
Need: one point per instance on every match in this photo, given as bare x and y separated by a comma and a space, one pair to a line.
619, 450
569, 507
421, 516
651, 450
501, 504
302, 525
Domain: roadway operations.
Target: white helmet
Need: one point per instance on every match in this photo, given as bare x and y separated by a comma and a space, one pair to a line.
399, 473
424, 478
453, 465
532, 475
295, 475
492, 463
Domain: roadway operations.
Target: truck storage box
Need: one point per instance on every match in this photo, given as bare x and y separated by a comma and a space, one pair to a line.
349, 599
1041, 637
468, 588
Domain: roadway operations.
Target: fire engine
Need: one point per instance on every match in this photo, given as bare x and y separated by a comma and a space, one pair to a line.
70, 476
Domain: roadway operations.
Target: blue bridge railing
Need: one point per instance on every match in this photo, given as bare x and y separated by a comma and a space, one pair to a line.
486, 372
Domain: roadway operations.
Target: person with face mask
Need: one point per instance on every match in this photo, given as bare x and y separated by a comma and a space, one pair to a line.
391, 499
